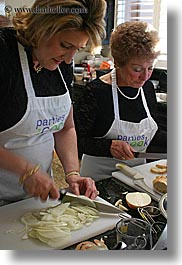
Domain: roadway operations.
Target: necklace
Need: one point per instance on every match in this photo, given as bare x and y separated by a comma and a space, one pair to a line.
113, 76
38, 68
127, 96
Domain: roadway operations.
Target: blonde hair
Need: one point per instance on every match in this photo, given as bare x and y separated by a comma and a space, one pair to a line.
40, 21
134, 39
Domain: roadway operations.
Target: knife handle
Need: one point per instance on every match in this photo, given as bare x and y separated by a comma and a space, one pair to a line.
136, 154
62, 193
128, 171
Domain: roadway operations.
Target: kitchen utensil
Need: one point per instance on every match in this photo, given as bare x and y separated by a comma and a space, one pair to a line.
138, 179
151, 155
148, 218
101, 207
163, 205
135, 233
152, 210
62, 193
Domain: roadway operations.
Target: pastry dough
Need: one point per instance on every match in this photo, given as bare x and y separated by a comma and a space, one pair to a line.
160, 184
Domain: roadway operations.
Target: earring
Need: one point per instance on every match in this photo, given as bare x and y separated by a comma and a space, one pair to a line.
38, 68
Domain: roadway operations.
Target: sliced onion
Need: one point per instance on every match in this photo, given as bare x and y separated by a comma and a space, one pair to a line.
53, 225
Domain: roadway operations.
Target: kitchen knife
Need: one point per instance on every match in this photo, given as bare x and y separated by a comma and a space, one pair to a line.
100, 206
62, 193
150, 155
138, 179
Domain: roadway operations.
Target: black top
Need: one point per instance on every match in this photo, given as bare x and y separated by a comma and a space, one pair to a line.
13, 97
94, 115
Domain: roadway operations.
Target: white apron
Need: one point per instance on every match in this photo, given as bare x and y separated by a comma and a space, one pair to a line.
32, 137
138, 135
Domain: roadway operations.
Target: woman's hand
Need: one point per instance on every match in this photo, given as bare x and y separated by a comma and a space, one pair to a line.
82, 185
41, 185
121, 150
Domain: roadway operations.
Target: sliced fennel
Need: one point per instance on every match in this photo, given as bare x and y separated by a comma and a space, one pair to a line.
53, 225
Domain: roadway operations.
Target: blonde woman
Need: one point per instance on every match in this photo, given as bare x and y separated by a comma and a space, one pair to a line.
36, 115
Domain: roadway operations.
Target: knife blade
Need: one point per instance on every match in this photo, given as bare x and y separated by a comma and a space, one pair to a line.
138, 179
100, 206
62, 193
150, 155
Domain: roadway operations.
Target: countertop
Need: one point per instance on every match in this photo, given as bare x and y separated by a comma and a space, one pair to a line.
112, 190
12, 231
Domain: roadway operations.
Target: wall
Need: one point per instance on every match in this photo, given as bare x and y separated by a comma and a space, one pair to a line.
19, 3
105, 52
2, 7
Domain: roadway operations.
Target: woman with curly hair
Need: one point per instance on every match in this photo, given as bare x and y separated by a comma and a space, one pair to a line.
117, 116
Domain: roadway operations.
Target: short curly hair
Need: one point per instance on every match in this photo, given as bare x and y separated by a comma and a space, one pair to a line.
134, 39
88, 16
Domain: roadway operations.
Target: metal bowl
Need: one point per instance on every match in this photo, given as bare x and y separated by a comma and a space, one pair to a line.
163, 205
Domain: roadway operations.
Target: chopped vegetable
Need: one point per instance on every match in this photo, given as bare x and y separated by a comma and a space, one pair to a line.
53, 225
120, 205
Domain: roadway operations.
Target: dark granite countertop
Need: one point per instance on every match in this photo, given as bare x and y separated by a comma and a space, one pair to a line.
112, 190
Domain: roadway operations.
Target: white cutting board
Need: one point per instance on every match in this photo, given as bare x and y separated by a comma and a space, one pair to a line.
11, 229
145, 171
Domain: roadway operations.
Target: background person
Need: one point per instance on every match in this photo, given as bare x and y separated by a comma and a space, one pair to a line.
116, 116
36, 114
4, 21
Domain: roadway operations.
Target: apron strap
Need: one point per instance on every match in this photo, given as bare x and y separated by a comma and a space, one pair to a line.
62, 78
145, 104
26, 71
115, 95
